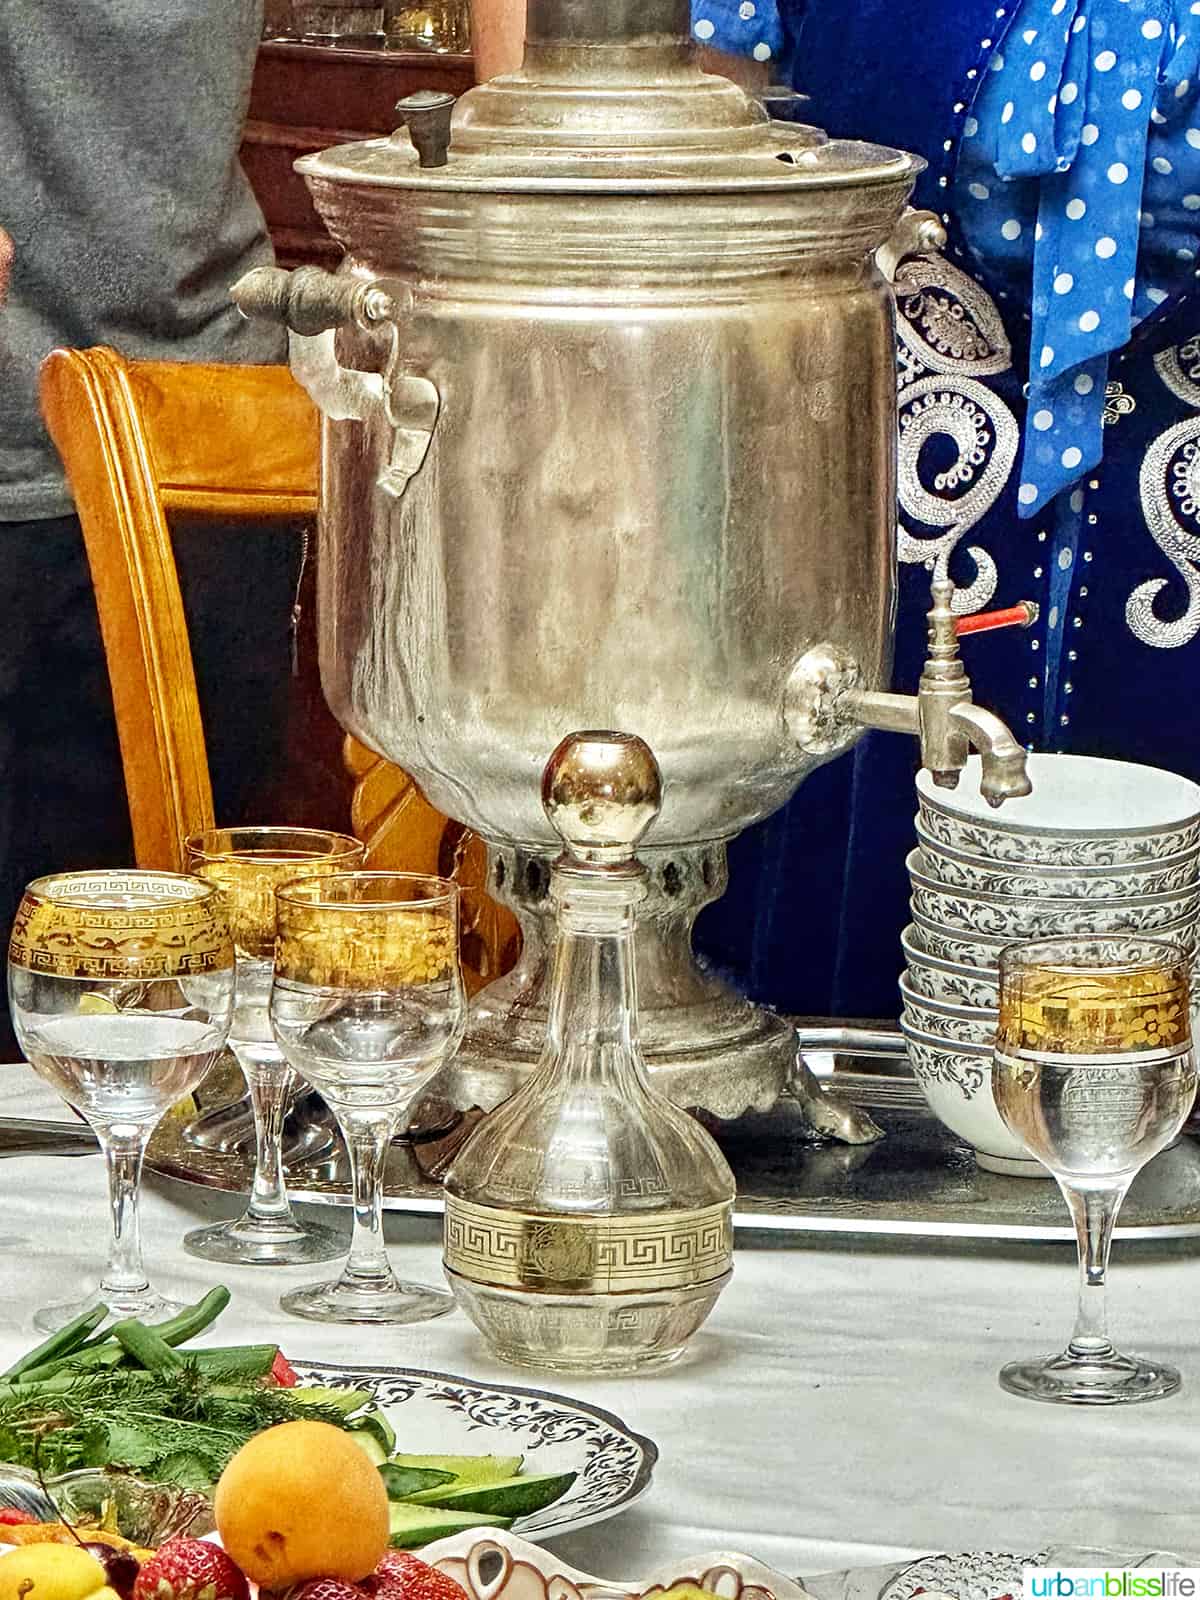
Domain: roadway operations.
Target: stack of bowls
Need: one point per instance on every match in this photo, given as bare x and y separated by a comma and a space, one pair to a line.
1098, 847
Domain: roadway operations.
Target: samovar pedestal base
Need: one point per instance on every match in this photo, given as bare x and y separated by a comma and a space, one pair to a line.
707, 1047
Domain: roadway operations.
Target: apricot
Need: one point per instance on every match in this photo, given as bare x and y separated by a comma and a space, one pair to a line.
302, 1501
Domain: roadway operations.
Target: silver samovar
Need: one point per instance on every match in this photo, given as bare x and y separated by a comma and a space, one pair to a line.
608, 386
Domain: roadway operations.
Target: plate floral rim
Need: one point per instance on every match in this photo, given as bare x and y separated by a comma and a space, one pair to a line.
543, 1524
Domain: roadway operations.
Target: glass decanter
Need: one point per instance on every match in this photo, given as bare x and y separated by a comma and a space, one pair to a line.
588, 1220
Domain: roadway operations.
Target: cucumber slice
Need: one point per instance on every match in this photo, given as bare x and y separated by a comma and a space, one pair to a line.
344, 1400
413, 1526
370, 1447
376, 1423
511, 1497
467, 1469
403, 1482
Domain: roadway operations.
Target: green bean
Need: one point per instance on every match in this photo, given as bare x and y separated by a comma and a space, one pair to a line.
145, 1346
193, 1320
59, 1344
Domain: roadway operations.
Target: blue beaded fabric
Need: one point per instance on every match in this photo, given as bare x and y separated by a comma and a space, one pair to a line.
1071, 478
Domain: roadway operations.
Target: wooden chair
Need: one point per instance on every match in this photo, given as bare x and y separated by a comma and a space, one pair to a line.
141, 441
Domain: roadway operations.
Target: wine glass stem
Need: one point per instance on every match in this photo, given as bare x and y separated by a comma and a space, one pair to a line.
1094, 1213
123, 1149
368, 1135
272, 1086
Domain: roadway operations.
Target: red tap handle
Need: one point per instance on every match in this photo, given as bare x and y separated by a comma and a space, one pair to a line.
1022, 615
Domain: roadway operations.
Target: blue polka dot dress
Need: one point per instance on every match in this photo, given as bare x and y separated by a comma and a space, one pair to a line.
751, 28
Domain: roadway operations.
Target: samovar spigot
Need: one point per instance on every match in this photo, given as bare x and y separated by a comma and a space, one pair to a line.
825, 707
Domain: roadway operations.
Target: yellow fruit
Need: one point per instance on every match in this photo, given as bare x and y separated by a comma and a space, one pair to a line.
50, 1572
301, 1501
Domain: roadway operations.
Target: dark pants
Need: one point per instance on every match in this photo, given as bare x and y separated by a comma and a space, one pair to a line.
62, 792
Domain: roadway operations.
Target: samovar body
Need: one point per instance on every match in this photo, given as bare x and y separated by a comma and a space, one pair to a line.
609, 441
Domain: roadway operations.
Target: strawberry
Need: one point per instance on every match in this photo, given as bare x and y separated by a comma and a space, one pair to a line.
11, 1516
401, 1576
190, 1569
325, 1589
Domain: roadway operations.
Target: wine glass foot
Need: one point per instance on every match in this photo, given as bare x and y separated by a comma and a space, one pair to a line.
1105, 1378
395, 1303
254, 1242
147, 1305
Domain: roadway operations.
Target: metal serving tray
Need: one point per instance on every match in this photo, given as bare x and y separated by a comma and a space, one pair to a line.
918, 1181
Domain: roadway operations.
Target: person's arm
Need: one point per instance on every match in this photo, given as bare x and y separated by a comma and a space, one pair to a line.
498, 36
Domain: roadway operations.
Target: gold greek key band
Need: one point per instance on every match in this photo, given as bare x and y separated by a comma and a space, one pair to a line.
182, 931
588, 1254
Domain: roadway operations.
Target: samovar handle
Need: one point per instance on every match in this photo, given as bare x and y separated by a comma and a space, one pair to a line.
312, 305
918, 233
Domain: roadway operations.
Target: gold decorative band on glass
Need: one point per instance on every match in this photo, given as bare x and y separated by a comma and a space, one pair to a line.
367, 930
1115, 995
250, 863
624, 1254
108, 924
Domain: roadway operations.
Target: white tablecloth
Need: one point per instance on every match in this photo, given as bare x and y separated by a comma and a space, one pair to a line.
840, 1409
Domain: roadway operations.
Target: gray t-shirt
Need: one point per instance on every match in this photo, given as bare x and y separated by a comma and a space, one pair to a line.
120, 122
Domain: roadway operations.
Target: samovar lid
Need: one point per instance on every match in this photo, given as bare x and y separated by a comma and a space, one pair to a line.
609, 99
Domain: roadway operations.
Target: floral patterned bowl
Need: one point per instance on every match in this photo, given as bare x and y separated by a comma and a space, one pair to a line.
957, 870
945, 1020
935, 978
1083, 811
496, 1565
956, 1080
1004, 917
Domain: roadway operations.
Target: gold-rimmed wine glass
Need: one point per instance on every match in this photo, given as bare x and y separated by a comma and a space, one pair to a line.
366, 1004
121, 990
248, 864
1094, 1070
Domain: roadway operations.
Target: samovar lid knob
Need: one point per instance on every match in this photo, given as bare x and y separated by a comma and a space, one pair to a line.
426, 114
601, 792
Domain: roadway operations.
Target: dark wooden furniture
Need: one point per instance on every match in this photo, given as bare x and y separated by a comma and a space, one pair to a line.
309, 96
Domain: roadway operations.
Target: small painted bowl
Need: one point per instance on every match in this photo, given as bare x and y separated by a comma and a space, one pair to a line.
1007, 918
146, 1513
1083, 811
934, 978
957, 870
956, 1024
956, 1081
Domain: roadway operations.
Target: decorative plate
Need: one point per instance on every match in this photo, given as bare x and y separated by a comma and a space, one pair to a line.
977, 1575
434, 1413
491, 1564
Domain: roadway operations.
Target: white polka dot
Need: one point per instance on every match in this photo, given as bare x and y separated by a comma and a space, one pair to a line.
1161, 164
1037, 71
761, 52
978, 191
1089, 133
1078, 23
1029, 35
1084, 384
704, 29
1064, 283
1037, 231
1131, 99
1043, 419
1182, 87
1191, 202
997, 62
1076, 500
1128, 288
746, 10
970, 127
1089, 322
1076, 208
1069, 93
1193, 138
1052, 104
1184, 254
1047, 356
1106, 247
1156, 296
1027, 493
1105, 61
1195, 8
1152, 29
1146, 218
1059, 6
1072, 456
1028, 143
1006, 114
1118, 172
1010, 229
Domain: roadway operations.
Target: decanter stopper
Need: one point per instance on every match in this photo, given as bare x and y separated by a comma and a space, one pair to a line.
588, 1220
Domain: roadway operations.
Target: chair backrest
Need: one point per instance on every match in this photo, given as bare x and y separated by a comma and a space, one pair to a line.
141, 440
